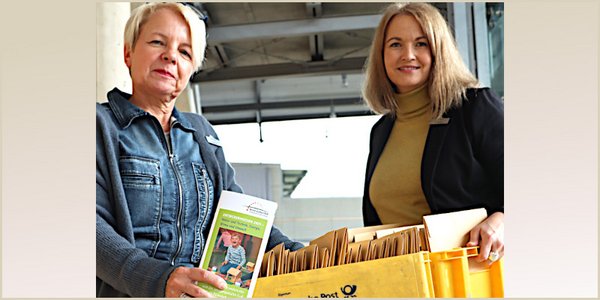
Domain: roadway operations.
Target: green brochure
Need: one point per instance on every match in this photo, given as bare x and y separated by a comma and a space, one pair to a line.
236, 243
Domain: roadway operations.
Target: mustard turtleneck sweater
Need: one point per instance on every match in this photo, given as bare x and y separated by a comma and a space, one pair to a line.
395, 187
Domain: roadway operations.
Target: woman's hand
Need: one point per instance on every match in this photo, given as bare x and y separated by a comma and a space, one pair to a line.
489, 236
183, 281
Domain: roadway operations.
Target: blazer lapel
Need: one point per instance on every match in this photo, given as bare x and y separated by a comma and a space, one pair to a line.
431, 154
380, 138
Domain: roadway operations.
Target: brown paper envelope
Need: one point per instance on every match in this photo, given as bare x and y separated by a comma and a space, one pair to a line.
284, 256
312, 256
304, 262
353, 253
277, 253
364, 236
408, 242
348, 259
382, 249
415, 233
405, 242
370, 229
364, 250
399, 238
379, 248
417, 240
264, 265
422, 234
296, 264
317, 257
341, 245
409, 238
323, 257
354, 250
284, 259
292, 262
387, 250
300, 261
384, 232
373, 251
327, 241
320, 258
299, 254
271, 265
356, 254
392, 243
393, 246
451, 230
376, 251
358, 248
400, 244
278, 263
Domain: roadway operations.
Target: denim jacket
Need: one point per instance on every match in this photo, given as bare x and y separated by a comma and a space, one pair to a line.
156, 196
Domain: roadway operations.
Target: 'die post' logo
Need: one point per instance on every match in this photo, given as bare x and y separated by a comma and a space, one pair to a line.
256, 209
348, 291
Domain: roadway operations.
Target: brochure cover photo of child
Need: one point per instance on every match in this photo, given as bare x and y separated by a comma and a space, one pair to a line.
236, 243
233, 252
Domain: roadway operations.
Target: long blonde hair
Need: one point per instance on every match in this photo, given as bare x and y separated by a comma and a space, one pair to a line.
449, 77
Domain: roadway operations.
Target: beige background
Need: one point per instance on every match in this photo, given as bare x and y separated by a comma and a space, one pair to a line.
47, 90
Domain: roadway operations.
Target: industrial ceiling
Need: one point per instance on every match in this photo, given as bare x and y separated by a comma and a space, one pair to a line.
285, 61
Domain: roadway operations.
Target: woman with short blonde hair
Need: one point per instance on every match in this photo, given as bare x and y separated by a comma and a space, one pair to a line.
140, 15
159, 172
439, 145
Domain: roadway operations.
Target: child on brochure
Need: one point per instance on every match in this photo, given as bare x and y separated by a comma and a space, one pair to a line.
235, 257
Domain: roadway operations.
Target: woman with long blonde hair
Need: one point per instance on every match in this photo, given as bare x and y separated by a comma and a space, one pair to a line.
439, 145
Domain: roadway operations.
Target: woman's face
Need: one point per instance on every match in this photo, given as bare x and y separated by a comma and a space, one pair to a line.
161, 61
406, 53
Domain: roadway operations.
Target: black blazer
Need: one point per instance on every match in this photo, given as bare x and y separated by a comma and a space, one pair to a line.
463, 161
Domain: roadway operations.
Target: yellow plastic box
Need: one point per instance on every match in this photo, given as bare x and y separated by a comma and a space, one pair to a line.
456, 274
406, 276
452, 273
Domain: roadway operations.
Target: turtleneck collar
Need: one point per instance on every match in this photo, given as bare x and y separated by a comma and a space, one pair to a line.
413, 104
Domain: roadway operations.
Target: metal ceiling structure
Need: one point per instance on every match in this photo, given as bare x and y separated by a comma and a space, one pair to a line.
285, 61
291, 179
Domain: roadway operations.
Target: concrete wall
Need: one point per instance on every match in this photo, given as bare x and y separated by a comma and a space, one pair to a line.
302, 219
260, 180
111, 70
305, 219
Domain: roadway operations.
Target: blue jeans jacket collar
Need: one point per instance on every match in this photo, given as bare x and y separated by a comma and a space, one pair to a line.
126, 112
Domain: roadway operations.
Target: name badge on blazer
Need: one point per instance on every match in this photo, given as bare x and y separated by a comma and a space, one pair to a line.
440, 121
213, 140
